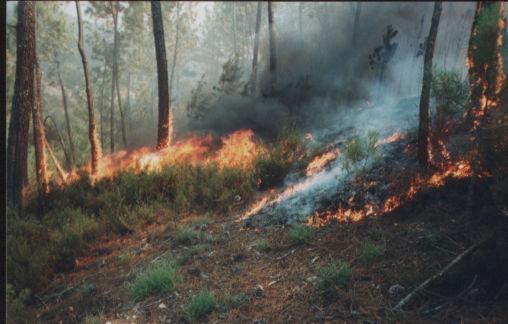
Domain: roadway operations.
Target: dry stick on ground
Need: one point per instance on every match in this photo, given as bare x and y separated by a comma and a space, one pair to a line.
440, 274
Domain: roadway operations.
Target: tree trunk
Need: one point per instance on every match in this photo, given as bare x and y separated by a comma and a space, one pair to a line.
112, 110
67, 120
101, 110
116, 58
39, 140
300, 12
164, 128
17, 146
234, 28
253, 79
59, 169
128, 108
96, 151
273, 57
424, 126
60, 139
358, 10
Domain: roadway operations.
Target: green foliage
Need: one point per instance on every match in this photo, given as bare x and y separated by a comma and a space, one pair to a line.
233, 301
229, 81
201, 304
15, 303
186, 235
370, 251
484, 38
199, 100
159, 277
450, 93
331, 277
93, 319
190, 252
272, 168
301, 233
262, 246
359, 150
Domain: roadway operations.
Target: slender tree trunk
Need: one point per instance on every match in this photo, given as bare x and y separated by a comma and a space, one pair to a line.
153, 95
273, 56
66, 111
17, 146
39, 139
164, 128
116, 59
61, 173
253, 81
128, 108
356, 23
96, 150
234, 28
101, 110
60, 139
112, 110
424, 125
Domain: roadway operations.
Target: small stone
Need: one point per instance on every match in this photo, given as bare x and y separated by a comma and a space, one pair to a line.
162, 306
314, 259
259, 290
396, 291
238, 198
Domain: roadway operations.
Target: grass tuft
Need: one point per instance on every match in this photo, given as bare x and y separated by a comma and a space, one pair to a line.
262, 246
331, 276
201, 304
370, 251
159, 277
301, 234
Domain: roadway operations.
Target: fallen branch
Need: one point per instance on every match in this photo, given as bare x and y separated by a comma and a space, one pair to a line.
59, 169
427, 282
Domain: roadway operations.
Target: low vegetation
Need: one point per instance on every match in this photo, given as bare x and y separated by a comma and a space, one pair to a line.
371, 251
201, 304
301, 234
159, 277
333, 276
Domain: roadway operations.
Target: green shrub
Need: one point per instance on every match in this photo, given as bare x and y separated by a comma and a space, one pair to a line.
15, 304
262, 246
233, 301
201, 304
359, 150
370, 251
332, 276
271, 169
301, 233
159, 277
190, 252
186, 235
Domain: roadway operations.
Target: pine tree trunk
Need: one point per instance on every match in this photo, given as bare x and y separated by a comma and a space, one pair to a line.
60, 139
253, 80
164, 127
96, 150
175, 52
67, 120
39, 140
112, 111
424, 124
101, 110
17, 146
128, 108
116, 58
273, 57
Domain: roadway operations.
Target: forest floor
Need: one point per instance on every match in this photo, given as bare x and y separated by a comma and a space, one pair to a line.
415, 245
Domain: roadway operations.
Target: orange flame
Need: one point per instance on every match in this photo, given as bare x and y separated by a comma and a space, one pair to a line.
319, 162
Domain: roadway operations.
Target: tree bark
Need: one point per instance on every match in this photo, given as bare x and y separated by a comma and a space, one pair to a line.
128, 108
96, 150
101, 110
164, 128
253, 80
273, 57
39, 140
17, 146
60, 139
67, 120
112, 111
424, 125
116, 58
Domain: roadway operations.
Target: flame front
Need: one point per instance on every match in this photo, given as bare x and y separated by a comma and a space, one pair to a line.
319, 162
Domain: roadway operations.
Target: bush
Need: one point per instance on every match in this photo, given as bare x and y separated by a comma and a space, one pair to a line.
360, 150
301, 234
262, 246
332, 276
15, 303
201, 304
159, 277
371, 251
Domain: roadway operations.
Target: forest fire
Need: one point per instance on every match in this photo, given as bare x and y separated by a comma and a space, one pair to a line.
319, 162
238, 150
395, 137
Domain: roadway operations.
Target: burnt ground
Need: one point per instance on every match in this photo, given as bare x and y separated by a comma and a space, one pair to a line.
420, 238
